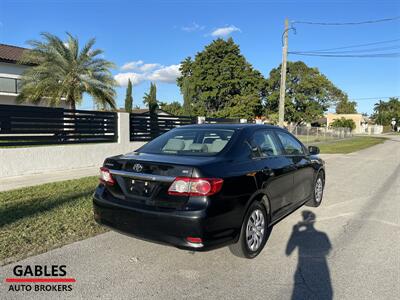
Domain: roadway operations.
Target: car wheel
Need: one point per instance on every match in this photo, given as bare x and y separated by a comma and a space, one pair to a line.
318, 191
254, 233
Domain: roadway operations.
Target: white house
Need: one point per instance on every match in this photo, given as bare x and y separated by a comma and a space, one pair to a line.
10, 74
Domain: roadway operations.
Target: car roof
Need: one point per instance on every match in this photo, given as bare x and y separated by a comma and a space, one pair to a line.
227, 126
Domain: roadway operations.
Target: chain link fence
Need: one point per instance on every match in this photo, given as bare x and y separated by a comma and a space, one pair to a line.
312, 135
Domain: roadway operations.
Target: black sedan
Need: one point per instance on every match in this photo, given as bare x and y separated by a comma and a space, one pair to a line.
201, 187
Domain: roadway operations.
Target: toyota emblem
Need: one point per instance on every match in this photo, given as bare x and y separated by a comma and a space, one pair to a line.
137, 167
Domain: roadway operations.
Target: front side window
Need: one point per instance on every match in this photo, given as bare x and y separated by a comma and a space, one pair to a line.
263, 144
290, 144
190, 142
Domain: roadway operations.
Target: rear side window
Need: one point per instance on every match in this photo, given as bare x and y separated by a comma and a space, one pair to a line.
190, 142
290, 144
263, 144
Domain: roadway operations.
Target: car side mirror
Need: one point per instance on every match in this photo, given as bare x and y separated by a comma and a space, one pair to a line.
313, 150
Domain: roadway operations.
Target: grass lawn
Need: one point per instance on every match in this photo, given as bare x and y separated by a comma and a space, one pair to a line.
312, 139
350, 145
36, 219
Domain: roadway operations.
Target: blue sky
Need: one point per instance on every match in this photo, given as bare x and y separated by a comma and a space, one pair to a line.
152, 37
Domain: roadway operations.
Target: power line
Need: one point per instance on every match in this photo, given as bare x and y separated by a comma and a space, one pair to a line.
376, 55
353, 46
373, 98
349, 51
352, 53
346, 23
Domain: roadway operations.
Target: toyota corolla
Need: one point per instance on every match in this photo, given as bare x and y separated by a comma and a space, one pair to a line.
201, 187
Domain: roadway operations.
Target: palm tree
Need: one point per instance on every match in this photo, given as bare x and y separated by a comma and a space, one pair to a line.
380, 106
61, 71
381, 109
150, 98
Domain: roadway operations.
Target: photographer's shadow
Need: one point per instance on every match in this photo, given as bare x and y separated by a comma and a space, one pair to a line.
312, 279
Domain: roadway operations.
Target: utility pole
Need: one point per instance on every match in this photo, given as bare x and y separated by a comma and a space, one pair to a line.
283, 74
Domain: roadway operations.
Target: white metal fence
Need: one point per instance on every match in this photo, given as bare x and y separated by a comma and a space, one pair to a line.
309, 135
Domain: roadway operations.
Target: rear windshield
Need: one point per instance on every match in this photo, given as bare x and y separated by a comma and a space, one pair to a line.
190, 142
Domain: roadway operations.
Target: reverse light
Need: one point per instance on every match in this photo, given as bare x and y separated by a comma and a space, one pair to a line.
186, 186
106, 177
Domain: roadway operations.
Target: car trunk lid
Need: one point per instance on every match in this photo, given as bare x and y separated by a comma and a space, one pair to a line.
146, 182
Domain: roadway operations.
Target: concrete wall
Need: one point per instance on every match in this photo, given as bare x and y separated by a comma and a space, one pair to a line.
372, 129
8, 98
33, 160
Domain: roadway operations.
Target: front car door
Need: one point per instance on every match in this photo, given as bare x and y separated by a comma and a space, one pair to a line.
304, 174
274, 171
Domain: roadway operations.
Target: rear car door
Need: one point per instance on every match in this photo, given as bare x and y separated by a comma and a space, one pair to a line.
301, 162
274, 171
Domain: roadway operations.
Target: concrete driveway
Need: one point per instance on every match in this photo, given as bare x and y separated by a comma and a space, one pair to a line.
351, 252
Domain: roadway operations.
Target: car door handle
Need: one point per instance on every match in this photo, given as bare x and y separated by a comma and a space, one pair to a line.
268, 171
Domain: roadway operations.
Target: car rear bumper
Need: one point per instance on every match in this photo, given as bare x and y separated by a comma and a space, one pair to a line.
170, 228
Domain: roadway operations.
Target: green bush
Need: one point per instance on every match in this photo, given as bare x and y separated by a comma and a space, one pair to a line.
344, 123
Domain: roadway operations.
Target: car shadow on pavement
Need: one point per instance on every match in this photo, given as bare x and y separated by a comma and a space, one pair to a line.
312, 277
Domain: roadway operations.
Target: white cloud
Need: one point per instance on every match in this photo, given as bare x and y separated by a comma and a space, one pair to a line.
224, 31
122, 78
166, 74
148, 67
132, 65
193, 27
151, 72
139, 66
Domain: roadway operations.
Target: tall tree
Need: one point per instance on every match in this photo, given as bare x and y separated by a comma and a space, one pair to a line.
187, 92
219, 79
62, 71
308, 93
150, 98
128, 97
345, 106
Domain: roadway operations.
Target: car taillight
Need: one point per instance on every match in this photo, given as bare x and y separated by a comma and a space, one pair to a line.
106, 177
186, 186
194, 240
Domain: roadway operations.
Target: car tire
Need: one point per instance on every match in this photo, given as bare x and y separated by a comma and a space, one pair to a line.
318, 191
254, 233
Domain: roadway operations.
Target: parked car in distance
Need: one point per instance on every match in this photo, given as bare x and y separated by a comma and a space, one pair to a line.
200, 187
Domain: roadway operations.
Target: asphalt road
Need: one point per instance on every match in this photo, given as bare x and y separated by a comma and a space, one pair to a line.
351, 251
